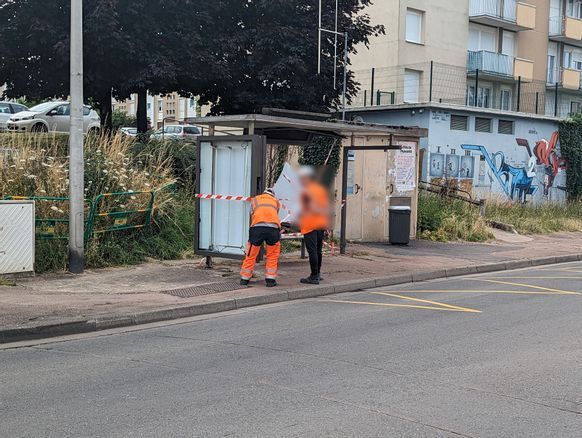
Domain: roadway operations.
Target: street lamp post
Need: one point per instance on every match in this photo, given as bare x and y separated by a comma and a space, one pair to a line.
76, 163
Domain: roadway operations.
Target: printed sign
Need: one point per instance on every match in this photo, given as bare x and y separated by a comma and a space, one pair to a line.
405, 168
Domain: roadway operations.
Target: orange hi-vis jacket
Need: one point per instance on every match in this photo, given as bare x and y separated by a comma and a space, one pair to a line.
316, 209
265, 210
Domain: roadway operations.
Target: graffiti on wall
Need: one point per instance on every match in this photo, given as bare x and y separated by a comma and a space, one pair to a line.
521, 182
516, 182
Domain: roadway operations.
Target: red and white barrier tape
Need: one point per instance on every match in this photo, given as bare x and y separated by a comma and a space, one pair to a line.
225, 197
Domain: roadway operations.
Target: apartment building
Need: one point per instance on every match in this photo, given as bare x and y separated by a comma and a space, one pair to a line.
169, 108
502, 54
489, 79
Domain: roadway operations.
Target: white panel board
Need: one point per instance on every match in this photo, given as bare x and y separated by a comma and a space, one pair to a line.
16, 236
225, 169
288, 191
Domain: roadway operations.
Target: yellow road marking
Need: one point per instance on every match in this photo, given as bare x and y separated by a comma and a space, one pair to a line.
519, 292
509, 283
534, 278
563, 270
409, 306
436, 303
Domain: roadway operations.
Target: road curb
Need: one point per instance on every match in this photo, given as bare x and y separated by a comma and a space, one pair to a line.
79, 325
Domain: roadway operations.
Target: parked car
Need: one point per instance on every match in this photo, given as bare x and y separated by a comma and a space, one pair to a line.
177, 132
130, 132
6, 110
53, 117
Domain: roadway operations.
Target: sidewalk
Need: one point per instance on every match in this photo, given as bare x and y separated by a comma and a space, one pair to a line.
61, 303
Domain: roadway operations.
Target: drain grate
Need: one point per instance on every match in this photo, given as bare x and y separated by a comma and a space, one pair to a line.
205, 289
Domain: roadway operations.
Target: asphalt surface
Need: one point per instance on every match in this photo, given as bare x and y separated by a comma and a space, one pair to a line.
493, 355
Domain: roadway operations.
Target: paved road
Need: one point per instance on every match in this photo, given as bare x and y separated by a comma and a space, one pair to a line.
496, 355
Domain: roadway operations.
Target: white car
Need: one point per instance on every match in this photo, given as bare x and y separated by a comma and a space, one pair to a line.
130, 132
177, 132
52, 117
6, 110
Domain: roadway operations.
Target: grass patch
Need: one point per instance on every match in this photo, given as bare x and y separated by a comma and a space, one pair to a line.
538, 219
170, 237
441, 219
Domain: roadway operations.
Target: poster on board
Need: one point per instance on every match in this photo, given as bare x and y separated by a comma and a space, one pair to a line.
406, 168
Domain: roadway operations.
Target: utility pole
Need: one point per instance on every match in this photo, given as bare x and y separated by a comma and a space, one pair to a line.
76, 162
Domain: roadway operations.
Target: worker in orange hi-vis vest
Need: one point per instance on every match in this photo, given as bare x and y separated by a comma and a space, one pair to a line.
314, 221
265, 228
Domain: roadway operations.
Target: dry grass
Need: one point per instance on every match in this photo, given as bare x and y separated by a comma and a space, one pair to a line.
537, 219
37, 165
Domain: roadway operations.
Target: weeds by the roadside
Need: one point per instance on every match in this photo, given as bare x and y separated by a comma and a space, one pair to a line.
538, 219
442, 219
170, 236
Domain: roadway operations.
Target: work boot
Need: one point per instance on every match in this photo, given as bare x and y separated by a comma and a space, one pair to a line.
244, 282
271, 282
310, 280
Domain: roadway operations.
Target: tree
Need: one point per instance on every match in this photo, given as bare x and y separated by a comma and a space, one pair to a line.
34, 47
241, 55
271, 54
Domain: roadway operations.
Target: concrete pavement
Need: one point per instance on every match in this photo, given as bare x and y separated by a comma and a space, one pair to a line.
50, 305
488, 355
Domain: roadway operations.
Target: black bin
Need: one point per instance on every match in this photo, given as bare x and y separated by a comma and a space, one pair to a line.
399, 228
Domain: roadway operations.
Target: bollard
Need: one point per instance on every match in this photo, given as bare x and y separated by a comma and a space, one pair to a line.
482, 203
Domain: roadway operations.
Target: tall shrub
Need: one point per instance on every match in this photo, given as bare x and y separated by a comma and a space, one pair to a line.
571, 149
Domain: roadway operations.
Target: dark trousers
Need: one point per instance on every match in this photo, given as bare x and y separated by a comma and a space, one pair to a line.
314, 245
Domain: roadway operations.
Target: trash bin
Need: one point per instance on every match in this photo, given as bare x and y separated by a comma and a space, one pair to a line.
399, 228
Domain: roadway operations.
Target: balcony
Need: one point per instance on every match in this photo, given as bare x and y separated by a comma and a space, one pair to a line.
566, 78
490, 64
507, 14
499, 66
566, 30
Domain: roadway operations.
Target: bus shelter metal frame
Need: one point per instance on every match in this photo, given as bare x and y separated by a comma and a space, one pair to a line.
299, 129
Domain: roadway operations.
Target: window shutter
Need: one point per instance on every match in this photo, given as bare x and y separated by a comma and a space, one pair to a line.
505, 127
482, 124
459, 123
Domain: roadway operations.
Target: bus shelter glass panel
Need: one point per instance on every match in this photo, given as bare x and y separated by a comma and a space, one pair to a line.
225, 169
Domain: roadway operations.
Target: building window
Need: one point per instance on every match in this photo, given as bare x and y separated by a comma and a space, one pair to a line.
506, 127
575, 107
483, 97
505, 100
414, 20
149, 106
459, 123
482, 124
160, 105
411, 86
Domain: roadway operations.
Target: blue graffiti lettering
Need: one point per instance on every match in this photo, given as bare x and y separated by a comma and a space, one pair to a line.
516, 182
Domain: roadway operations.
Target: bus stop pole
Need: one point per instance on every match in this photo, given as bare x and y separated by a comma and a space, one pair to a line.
344, 204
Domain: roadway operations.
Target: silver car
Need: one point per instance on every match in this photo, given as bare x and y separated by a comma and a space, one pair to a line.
6, 110
52, 117
177, 132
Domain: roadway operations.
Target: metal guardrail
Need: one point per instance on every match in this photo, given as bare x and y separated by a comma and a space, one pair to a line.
97, 221
453, 193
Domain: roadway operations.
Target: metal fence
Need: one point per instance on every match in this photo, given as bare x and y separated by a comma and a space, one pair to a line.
487, 81
100, 217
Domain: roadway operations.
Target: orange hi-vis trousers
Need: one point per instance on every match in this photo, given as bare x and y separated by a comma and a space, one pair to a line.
257, 236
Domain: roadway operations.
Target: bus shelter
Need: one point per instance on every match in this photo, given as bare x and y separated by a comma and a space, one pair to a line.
379, 169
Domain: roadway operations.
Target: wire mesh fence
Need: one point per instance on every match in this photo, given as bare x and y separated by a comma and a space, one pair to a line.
487, 81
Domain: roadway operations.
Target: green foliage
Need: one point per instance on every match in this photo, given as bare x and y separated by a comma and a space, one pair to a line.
323, 151
442, 219
121, 119
180, 155
571, 149
538, 219
170, 236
